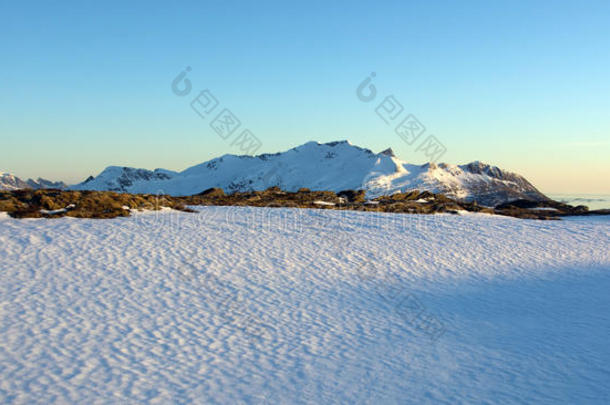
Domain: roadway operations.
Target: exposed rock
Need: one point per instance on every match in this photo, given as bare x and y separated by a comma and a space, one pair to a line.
212, 192
353, 196
388, 152
108, 204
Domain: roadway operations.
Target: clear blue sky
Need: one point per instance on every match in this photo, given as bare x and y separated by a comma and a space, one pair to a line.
524, 85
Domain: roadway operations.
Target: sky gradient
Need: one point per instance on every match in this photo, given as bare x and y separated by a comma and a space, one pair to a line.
521, 85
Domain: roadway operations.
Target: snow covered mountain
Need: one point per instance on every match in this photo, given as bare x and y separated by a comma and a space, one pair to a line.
116, 178
43, 183
12, 182
333, 166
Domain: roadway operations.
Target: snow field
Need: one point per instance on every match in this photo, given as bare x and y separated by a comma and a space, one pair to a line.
280, 305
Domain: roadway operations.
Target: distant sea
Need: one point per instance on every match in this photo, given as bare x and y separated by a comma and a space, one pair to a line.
593, 201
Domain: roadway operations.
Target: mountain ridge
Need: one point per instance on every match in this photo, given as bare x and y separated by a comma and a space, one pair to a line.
9, 181
332, 166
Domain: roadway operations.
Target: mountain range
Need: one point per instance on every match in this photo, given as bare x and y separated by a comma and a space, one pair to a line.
12, 182
333, 166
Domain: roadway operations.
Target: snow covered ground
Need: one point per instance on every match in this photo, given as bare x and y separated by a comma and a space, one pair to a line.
259, 305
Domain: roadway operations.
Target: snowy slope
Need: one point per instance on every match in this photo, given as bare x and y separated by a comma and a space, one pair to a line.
116, 178
266, 306
332, 166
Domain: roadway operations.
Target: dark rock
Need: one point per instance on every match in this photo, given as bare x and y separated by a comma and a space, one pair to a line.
352, 196
212, 192
521, 203
388, 152
274, 190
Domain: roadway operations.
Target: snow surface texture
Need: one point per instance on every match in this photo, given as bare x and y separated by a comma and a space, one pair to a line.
258, 305
333, 166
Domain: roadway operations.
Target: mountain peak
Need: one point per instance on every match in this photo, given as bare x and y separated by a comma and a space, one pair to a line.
388, 152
